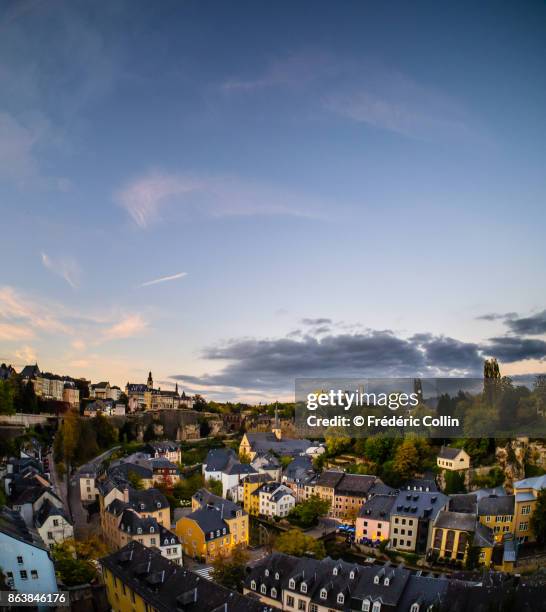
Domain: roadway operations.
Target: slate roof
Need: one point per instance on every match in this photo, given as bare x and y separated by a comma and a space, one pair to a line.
131, 522
447, 452
298, 468
48, 509
330, 479
165, 586
226, 507
136, 388
483, 536
419, 504
463, 502
461, 521
30, 495
148, 500
218, 459
122, 470
496, 506
421, 484
163, 446
537, 483
13, 525
356, 582
30, 371
350, 484
378, 507
210, 521
265, 441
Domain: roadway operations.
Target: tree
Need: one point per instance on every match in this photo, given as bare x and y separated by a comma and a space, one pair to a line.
307, 513
230, 571
454, 482
135, 480
379, 448
214, 486
106, 432
295, 542
538, 519
7, 394
73, 560
149, 433
406, 459
336, 444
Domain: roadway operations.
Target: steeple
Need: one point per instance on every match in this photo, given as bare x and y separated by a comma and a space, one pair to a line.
276, 429
150, 383
176, 388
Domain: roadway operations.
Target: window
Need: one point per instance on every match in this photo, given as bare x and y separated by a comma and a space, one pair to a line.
387, 581
49, 535
253, 585
276, 575
323, 593
34, 574
376, 607
152, 541
376, 580
302, 605
20, 560
263, 589
523, 526
266, 572
290, 601
303, 587
24, 575
340, 598
313, 607
274, 593
414, 607
292, 583
526, 509
366, 605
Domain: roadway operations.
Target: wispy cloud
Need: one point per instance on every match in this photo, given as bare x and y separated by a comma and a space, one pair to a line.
130, 325
65, 267
164, 279
146, 197
12, 331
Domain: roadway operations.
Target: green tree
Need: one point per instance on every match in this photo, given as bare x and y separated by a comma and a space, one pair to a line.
135, 480
7, 395
230, 571
406, 459
538, 518
306, 513
214, 486
454, 482
295, 542
107, 434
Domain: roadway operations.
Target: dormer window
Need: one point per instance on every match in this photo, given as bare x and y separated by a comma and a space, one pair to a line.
173, 541
139, 530
159, 504
211, 534
292, 583
415, 607
263, 589
152, 530
217, 533
253, 585
366, 605
352, 575
276, 575
376, 606
387, 581
341, 598
335, 571
274, 593
323, 593
303, 587
376, 579
142, 506
224, 531
266, 572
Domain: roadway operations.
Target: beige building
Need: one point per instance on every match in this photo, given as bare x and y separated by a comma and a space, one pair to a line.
526, 492
453, 459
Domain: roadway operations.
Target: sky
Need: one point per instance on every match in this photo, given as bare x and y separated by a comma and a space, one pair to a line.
236, 194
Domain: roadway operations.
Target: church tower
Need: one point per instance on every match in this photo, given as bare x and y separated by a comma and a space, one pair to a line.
150, 383
276, 429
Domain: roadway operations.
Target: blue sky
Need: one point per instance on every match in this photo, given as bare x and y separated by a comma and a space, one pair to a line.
381, 167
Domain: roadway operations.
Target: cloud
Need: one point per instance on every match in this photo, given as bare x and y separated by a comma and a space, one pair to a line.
532, 326
34, 314
164, 279
146, 197
318, 321
11, 331
65, 267
273, 364
129, 326
26, 354
510, 349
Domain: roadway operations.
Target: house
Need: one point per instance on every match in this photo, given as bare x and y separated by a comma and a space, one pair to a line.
71, 394
421, 484
347, 492
497, 513
25, 561
30, 499
453, 459
100, 390
47, 386
217, 461
301, 477
291, 583
232, 477
139, 578
130, 472
454, 533
526, 492
266, 463
164, 450
373, 521
275, 500
53, 524
147, 531
88, 483
164, 471
247, 492
412, 517
214, 527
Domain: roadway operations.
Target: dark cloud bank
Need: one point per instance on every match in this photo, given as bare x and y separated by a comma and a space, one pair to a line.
272, 364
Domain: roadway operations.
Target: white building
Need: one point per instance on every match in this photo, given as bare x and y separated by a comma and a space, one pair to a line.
53, 525
275, 500
88, 483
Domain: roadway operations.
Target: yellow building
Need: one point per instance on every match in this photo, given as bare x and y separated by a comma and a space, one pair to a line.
251, 497
139, 579
453, 459
454, 533
497, 513
214, 527
526, 492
